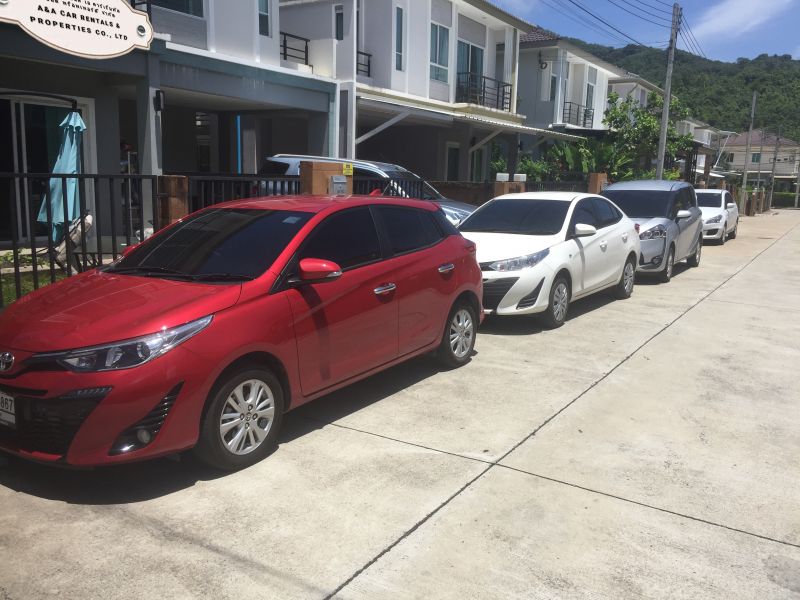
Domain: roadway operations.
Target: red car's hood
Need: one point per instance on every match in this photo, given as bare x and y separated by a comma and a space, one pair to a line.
95, 308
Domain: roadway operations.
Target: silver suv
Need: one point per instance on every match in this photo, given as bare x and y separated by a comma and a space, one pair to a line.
669, 222
399, 181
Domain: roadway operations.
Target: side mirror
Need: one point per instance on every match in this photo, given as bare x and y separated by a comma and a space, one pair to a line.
730, 205
683, 214
317, 270
583, 230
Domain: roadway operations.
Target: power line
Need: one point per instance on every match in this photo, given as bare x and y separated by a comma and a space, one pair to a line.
664, 3
666, 22
581, 20
691, 34
664, 10
606, 23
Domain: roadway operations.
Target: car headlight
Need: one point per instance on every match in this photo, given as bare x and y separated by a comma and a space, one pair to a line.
654, 233
521, 262
128, 353
716, 219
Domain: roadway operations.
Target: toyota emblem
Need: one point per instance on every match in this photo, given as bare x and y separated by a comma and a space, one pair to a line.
6, 361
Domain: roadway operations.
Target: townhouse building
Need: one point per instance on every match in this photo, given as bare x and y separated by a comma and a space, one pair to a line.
767, 156
424, 83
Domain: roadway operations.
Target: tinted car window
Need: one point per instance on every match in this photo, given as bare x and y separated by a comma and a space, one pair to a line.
347, 238
606, 214
709, 200
232, 241
274, 167
584, 213
642, 203
519, 216
408, 228
445, 226
689, 198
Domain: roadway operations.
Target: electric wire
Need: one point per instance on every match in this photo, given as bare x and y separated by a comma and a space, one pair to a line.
606, 23
691, 34
669, 12
665, 23
581, 20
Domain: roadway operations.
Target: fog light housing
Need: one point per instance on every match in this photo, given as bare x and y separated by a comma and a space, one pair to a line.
143, 432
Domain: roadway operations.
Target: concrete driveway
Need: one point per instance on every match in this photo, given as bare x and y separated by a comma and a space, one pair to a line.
649, 448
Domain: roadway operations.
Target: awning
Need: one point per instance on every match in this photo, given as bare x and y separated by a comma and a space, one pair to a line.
711, 174
443, 115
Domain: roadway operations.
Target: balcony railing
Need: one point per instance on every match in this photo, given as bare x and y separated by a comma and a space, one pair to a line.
485, 91
294, 48
578, 114
364, 63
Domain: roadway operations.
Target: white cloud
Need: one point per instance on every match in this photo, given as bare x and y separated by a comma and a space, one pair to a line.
732, 18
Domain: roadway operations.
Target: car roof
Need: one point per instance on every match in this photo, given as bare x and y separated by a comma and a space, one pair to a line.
316, 204
555, 196
356, 163
648, 185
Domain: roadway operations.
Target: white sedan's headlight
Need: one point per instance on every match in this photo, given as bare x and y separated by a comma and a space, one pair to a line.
128, 353
716, 219
520, 263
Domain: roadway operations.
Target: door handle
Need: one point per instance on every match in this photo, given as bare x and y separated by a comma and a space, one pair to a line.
446, 268
603, 245
382, 290
624, 237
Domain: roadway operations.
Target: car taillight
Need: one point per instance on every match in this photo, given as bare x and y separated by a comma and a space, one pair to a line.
636, 226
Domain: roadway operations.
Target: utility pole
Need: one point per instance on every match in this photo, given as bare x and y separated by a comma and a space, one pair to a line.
797, 185
774, 162
662, 139
760, 162
743, 195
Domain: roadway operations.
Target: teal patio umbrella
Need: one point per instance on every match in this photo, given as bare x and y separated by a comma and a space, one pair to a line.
68, 162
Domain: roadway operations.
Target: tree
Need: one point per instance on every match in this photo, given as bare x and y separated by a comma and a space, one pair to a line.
634, 131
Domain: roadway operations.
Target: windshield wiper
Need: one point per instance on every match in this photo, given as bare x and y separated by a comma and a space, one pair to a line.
142, 270
221, 277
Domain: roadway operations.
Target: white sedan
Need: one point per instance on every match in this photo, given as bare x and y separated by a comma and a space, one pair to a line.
720, 215
539, 251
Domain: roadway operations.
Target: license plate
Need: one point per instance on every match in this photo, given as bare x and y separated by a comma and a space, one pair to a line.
8, 415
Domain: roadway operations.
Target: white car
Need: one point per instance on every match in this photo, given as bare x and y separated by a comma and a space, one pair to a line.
539, 251
720, 215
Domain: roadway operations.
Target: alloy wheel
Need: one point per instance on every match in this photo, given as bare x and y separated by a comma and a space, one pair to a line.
670, 264
247, 417
560, 301
462, 331
628, 276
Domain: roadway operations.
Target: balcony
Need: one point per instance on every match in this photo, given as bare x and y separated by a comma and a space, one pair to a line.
294, 48
578, 114
364, 63
484, 91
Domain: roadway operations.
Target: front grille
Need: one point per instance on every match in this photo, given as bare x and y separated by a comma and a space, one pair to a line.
495, 289
49, 426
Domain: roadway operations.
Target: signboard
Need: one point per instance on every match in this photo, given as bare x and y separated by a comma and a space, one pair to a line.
347, 169
87, 28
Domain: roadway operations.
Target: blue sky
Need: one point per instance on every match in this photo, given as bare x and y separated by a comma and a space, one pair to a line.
724, 29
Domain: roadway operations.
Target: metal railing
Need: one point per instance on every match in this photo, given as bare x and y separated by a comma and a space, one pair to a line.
364, 63
485, 91
377, 186
578, 114
38, 248
207, 190
294, 48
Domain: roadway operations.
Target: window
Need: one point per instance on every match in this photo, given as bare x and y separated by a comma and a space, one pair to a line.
606, 213
190, 7
477, 166
398, 39
338, 21
553, 87
263, 17
440, 47
590, 83
518, 216
409, 229
235, 242
584, 214
453, 162
470, 59
756, 158
641, 203
347, 238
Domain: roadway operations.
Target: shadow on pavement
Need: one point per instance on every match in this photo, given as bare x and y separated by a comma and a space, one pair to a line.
138, 482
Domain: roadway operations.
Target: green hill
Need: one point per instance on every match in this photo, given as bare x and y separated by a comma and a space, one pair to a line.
717, 92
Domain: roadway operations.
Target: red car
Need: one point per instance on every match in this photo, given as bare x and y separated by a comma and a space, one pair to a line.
206, 333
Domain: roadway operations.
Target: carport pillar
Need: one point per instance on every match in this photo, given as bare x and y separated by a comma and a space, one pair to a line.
149, 134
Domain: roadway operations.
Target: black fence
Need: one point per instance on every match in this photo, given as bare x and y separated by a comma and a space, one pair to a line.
364, 63
485, 91
294, 48
402, 188
206, 190
43, 240
578, 114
